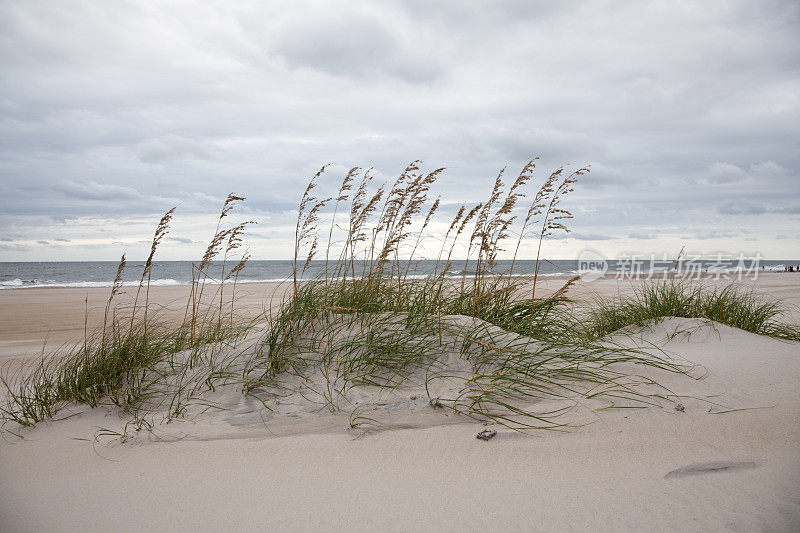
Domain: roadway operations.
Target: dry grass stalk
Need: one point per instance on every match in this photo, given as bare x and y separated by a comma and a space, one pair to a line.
115, 287
200, 272
554, 190
344, 194
161, 231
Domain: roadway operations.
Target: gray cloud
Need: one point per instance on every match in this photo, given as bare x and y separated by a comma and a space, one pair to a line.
91, 190
721, 172
787, 210
182, 240
14, 248
688, 114
360, 44
714, 234
745, 207
170, 147
742, 208
589, 237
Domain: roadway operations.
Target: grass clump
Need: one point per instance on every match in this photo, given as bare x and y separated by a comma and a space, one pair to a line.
107, 368
731, 305
371, 321
111, 364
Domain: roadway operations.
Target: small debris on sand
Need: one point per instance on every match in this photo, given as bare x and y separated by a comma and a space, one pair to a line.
680, 408
486, 434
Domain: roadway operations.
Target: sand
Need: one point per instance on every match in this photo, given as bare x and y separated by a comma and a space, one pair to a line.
29, 317
730, 460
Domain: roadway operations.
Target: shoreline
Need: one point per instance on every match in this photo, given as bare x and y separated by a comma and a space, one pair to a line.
730, 275
31, 318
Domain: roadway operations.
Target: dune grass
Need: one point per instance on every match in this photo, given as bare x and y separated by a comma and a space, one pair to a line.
731, 305
109, 363
371, 322
107, 367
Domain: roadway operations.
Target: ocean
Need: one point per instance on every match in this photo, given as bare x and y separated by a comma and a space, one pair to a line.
15, 275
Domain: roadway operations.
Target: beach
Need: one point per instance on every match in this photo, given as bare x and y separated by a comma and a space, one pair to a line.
408, 266
687, 462
59, 315
29, 317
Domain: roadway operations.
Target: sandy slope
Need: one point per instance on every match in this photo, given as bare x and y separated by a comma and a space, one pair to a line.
734, 468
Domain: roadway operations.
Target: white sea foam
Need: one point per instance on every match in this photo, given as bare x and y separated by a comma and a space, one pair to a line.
32, 284
166, 282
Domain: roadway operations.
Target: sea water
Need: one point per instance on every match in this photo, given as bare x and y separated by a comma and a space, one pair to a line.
101, 273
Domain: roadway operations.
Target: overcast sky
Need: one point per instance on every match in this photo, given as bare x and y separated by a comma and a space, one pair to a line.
112, 112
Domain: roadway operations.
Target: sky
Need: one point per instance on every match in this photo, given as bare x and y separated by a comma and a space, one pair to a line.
113, 112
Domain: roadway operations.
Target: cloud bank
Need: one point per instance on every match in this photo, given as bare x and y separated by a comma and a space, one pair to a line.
113, 112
